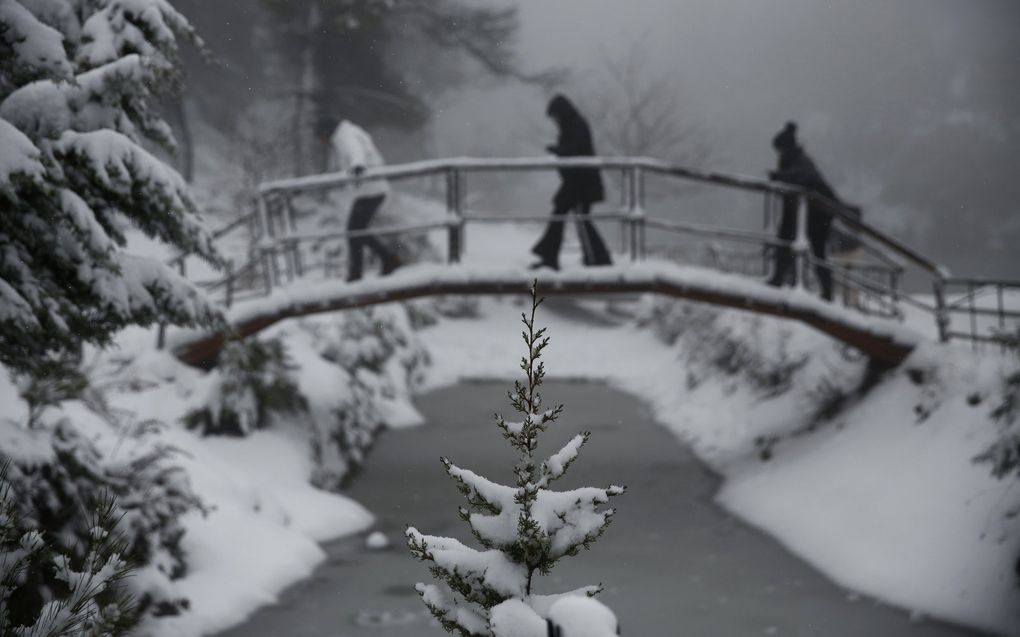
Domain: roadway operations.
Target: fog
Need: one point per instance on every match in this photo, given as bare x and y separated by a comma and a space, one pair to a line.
910, 108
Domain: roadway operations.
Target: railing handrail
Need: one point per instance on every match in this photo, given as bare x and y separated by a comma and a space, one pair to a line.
979, 281
426, 167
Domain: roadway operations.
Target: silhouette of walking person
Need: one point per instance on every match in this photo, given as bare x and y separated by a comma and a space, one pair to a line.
579, 189
353, 150
797, 168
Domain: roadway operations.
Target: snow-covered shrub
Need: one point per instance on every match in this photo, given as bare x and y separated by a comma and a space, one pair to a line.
253, 381
378, 346
421, 313
428, 311
829, 394
728, 342
1004, 454
342, 437
54, 470
47, 590
381, 361
76, 105
525, 529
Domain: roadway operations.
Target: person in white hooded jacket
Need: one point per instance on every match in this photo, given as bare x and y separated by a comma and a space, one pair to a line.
353, 151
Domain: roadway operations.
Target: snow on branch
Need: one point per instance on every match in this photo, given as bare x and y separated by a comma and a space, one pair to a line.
74, 176
20, 157
149, 27
29, 48
558, 463
122, 177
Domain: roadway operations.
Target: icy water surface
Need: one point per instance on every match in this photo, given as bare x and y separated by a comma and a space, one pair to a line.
673, 563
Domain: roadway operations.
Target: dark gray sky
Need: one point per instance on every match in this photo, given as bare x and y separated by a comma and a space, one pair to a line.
910, 107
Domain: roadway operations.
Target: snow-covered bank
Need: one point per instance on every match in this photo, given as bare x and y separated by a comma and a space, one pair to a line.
261, 518
872, 482
262, 532
355, 372
876, 488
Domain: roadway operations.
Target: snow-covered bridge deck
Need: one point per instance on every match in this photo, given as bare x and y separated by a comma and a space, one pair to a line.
286, 272
884, 340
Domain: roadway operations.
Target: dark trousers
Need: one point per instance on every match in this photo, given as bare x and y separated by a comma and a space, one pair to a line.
593, 248
362, 211
818, 239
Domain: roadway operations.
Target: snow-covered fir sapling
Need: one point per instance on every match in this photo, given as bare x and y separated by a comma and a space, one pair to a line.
524, 529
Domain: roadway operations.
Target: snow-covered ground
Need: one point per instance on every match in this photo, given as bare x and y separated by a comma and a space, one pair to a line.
874, 485
882, 501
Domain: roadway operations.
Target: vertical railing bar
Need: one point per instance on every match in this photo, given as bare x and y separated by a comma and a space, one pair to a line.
229, 292
462, 222
267, 236
800, 245
941, 314
973, 315
640, 183
454, 210
625, 205
298, 261
289, 211
1002, 317
288, 259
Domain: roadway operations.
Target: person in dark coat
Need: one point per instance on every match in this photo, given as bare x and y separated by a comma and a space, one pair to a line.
797, 168
579, 189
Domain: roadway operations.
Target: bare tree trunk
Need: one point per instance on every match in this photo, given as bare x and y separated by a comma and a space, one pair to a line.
306, 85
186, 153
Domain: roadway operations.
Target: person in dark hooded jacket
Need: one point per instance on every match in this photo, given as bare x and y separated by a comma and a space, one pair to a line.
579, 189
797, 168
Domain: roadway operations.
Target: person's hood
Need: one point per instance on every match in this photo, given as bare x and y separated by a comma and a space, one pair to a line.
562, 109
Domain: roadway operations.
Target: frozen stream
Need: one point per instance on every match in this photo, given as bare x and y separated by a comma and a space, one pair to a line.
672, 562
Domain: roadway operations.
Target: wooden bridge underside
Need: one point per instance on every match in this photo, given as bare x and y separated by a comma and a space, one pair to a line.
884, 341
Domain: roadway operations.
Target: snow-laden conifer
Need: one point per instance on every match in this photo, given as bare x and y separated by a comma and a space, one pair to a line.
523, 529
84, 592
76, 105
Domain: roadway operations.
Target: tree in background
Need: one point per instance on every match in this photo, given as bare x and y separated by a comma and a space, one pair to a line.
301, 66
639, 111
76, 104
525, 529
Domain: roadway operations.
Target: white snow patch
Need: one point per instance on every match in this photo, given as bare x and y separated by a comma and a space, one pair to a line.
377, 541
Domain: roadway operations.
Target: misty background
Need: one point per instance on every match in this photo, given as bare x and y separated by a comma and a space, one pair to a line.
911, 108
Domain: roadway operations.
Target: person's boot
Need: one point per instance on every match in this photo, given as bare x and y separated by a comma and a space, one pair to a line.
390, 264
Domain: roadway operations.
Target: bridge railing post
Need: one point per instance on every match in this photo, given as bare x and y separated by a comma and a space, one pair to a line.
229, 284
291, 247
265, 245
800, 244
635, 201
941, 309
455, 214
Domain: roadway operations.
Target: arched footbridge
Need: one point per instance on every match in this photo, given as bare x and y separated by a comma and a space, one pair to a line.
292, 268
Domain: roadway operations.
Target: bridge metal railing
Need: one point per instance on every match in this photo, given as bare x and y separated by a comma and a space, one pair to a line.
870, 284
